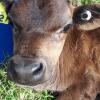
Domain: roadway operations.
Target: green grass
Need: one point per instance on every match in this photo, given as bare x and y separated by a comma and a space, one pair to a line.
84, 2
88, 1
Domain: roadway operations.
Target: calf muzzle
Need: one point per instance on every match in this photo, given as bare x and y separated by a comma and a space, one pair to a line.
27, 71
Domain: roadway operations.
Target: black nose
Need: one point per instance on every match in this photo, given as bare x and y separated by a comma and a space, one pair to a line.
26, 71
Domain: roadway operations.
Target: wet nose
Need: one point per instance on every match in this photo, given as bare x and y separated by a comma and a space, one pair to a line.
26, 71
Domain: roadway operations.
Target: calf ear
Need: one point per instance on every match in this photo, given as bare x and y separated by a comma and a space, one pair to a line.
15, 1
8, 4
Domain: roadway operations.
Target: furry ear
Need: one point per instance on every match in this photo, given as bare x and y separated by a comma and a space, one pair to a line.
8, 4
15, 1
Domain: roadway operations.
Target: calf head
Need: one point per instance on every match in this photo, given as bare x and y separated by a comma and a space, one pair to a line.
40, 31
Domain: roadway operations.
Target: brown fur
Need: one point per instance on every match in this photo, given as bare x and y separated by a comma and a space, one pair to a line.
73, 58
82, 65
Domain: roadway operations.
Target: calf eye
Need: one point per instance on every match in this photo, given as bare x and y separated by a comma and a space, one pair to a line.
66, 28
86, 16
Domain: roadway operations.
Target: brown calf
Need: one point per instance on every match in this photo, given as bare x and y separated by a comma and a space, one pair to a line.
47, 57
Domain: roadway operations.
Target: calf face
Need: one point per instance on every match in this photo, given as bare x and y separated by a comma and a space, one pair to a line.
40, 34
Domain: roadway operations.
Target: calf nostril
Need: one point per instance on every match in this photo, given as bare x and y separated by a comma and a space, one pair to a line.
38, 68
